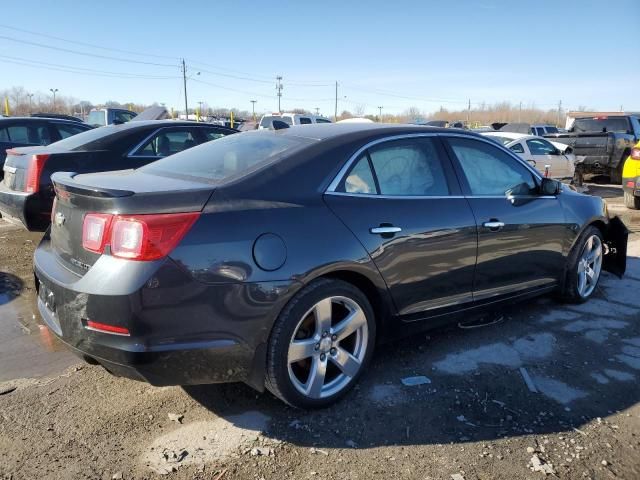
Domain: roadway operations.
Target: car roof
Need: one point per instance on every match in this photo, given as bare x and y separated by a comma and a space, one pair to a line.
39, 119
322, 131
161, 123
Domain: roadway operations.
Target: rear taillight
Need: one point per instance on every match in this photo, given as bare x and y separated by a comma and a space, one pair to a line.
95, 231
635, 153
136, 237
34, 170
106, 328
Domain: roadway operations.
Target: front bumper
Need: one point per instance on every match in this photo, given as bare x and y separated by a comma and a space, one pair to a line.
182, 332
24, 209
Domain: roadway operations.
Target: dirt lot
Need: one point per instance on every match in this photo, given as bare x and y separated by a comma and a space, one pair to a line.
477, 417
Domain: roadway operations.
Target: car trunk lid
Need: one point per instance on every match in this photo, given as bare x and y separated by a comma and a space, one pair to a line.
123, 193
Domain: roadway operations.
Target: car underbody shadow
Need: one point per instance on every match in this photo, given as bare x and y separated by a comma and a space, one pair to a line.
10, 287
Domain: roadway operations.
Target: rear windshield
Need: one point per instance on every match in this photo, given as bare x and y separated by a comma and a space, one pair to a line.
97, 118
89, 140
228, 157
611, 124
551, 129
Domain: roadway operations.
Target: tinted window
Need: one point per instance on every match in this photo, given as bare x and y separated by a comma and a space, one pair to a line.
490, 171
123, 117
409, 167
229, 156
214, 134
166, 143
305, 121
608, 124
517, 148
68, 130
360, 178
29, 134
4, 135
540, 147
322, 120
552, 130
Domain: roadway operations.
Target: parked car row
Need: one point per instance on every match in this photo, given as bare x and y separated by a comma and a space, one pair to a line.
281, 258
27, 192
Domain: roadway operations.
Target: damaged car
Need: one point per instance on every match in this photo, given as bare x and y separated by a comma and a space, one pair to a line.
281, 258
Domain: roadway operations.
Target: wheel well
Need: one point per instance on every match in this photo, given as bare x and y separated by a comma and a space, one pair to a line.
599, 224
367, 287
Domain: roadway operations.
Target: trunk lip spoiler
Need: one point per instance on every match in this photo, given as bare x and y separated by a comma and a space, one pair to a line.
64, 181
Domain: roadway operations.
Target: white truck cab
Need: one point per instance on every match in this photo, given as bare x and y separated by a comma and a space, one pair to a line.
291, 119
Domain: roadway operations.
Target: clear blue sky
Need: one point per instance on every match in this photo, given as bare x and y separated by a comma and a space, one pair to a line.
434, 53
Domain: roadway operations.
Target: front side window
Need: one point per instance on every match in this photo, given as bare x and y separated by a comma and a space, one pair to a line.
305, 121
409, 167
490, 171
540, 147
517, 148
166, 143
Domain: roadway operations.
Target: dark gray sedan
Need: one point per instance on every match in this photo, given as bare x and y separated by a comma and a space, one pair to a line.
280, 258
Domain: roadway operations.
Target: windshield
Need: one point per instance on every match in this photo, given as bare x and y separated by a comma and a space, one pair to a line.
552, 130
228, 157
607, 124
97, 118
85, 139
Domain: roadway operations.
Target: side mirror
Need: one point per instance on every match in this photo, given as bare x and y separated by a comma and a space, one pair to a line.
550, 187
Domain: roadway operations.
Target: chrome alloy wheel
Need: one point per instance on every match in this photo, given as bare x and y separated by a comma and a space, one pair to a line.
589, 266
328, 347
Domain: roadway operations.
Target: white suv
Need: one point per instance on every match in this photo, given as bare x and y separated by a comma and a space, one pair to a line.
291, 119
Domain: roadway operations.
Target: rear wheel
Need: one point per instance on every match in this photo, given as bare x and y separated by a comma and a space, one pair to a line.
631, 201
584, 266
320, 344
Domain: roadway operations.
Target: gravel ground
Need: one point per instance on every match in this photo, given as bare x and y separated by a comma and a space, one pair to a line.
476, 416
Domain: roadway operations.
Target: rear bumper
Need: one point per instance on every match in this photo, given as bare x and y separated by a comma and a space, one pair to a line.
24, 209
182, 332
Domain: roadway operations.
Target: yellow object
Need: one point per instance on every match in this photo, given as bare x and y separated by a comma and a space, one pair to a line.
231, 118
172, 115
631, 167
6, 106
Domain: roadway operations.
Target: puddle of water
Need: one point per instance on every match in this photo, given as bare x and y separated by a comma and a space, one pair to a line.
27, 348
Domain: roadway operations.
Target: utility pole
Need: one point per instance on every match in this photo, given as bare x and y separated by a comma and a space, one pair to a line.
469, 112
30, 95
380, 116
559, 110
253, 109
317, 111
335, 117
54, 90
199, 110
520, 113
279, 89
184, 80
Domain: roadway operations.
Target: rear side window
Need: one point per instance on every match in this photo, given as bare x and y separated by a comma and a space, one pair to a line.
489, 171
29, 134
231, 156
360, 178
322, 120
517, 148
166, 143
68, 130
305, 121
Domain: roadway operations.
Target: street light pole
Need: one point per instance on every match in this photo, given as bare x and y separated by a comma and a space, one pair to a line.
30, 95
253, 109
380, 116
54, 90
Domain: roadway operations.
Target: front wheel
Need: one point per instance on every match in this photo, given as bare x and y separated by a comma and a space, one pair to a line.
320, 344
631, 201
584, 266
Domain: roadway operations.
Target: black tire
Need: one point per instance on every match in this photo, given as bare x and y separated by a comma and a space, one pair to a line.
277, 373
570, 293
631, 201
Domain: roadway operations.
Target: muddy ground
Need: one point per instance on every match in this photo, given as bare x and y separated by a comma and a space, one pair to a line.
477, 417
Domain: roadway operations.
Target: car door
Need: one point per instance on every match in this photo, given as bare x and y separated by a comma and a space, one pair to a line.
548, 159
521, 234
401, 200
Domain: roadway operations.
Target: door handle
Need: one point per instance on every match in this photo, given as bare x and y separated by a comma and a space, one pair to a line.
493, 225
385, 230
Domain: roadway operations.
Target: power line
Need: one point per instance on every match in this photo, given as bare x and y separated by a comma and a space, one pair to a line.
86, 54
